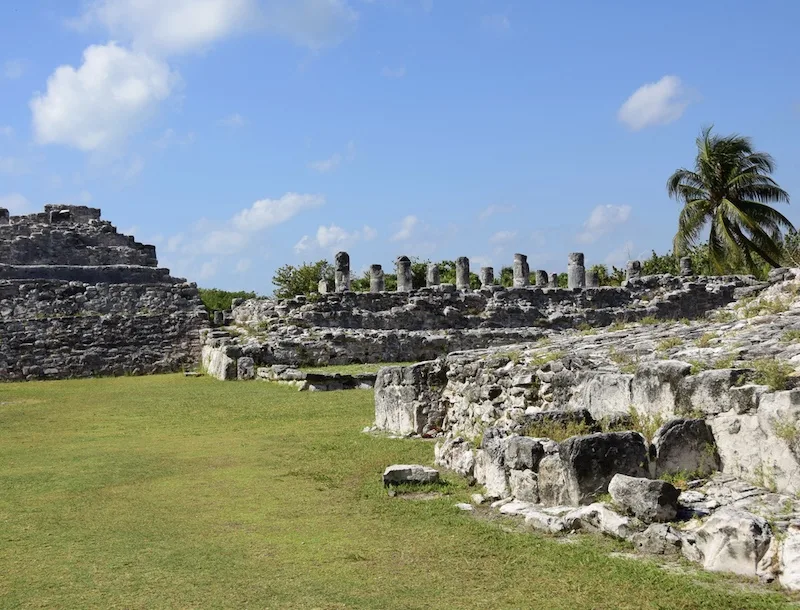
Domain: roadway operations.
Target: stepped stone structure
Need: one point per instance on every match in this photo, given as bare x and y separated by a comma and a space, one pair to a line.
79, 299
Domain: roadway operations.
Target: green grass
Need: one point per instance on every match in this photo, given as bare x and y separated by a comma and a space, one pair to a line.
171, 492
352, 369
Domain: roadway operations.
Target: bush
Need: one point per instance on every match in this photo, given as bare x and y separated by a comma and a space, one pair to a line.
291, 281
219, 300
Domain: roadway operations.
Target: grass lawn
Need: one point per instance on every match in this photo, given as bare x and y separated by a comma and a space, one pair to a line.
352, 369
172, 492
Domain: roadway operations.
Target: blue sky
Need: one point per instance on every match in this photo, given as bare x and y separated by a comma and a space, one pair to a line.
241, 135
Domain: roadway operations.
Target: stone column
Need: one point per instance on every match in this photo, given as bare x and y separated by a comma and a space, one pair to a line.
462, 273
342, 271
403, 269
487, 276
634, 270
686, 266
592, 279
576, 272
4, 216
541, 278
323, 287
432, 275
376, 279
522, 272
553, 283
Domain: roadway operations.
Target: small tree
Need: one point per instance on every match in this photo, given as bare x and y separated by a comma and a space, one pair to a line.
291, 281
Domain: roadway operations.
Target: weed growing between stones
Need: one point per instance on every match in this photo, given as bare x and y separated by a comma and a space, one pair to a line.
705, 339
787, 429
649, 320
557, 430
669, 343
790, 336
772, 373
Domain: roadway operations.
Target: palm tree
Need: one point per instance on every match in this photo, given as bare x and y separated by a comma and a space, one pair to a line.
730, 189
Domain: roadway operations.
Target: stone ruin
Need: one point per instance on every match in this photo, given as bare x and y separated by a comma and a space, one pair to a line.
79, 299
712, 405
340, 326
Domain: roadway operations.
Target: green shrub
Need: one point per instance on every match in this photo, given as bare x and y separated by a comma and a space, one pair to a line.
669, 343
772, 373
705, 339
556, 430
220, 300
790, 336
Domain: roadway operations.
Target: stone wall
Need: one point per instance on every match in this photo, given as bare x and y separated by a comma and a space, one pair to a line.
413, 325
78, 299
708, 370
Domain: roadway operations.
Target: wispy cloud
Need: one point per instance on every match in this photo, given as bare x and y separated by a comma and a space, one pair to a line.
331, 163
407, 226
333, 237
233, 121
495, 209
603, 220
398, 72
503, 237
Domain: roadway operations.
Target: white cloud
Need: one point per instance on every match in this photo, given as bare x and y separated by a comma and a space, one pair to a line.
15, 203
222, 241
326, 165
13, 166
398, 72
656, 103
314, 24
503, 237
332, 162
6, 130
232, 120
497, 23
170, 138
303, 244
242, 265
269, 212
334, 237
619, 256
208, 269
602, 220
98, 105
168, 26
494, 209
407, 225
13, 68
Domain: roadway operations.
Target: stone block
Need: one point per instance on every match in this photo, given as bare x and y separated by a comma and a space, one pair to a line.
647, 499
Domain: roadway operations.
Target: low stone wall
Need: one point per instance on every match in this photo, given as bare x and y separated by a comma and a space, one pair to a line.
108, 274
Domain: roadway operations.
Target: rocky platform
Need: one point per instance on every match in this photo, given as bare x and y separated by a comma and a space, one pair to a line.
546, 426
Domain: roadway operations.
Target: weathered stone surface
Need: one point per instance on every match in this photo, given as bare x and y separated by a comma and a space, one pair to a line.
245, 369
409, 473
576, 272
599, 518
733, 540
404, 277
342, 271
523, 453
455, 454
524, 485
790, 561
633, 270
218, 364
552, 479
541, 278
647, 499
592, 279
658, 539
685, 446
592, 461
522, 271
462, 273
432, 275
687, 267
487, 276
377, 282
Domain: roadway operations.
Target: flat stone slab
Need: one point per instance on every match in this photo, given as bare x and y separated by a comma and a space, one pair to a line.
409, 473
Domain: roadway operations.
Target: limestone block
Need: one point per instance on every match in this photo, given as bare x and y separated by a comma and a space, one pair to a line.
733, 540
685, 446
647, 499
592, 461
409, 473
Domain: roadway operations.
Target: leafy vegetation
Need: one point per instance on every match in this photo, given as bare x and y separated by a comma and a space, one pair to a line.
220, 300
791, 336
669, 343
772, 373
729, 190
291, 281
352, 369
705, 339
170, 492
